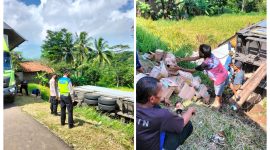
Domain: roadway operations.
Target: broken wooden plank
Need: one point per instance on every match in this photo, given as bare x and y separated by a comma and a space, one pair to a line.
250, 85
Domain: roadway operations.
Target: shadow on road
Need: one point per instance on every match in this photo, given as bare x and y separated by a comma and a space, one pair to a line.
23, 100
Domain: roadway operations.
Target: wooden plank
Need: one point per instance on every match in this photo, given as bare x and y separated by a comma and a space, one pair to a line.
251, 84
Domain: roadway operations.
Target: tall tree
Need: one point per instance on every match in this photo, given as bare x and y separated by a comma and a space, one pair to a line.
102, 52
58, 46
82, 51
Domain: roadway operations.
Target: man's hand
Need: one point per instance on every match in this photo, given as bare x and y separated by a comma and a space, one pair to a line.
191, 110
141, 69
72, 97
188, 114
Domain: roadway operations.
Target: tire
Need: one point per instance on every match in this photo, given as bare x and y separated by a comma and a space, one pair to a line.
90, 101
91, 96
106, 107
106, 101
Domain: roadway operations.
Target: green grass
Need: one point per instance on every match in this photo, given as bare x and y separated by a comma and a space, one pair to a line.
93, 130
91, 113
184, 36
240, 132
201, 29
45, 91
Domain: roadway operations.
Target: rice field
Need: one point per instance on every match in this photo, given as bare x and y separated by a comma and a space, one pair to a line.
201, 29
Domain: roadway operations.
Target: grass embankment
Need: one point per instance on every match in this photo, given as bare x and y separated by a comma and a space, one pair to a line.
92, 129
240, 131
201, 29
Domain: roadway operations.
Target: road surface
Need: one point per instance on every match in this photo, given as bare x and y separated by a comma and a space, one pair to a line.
22, 132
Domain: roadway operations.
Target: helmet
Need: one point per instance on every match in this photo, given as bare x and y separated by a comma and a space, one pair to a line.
204, 51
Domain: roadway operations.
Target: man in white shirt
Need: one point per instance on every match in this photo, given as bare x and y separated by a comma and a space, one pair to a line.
53, 95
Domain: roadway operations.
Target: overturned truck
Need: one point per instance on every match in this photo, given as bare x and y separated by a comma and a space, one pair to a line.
116, 102
251, 50
250, 47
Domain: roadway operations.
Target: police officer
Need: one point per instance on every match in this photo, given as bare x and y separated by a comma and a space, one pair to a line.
66, 92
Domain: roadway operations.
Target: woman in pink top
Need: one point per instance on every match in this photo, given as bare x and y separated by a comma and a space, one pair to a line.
214, 69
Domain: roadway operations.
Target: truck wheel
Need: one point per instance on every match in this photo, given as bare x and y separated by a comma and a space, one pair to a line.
92, 96
90, 101
106, 107
106, 101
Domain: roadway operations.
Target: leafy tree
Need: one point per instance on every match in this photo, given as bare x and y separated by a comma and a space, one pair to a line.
84, 57
16, 58
182, 9
41, 77
58, 46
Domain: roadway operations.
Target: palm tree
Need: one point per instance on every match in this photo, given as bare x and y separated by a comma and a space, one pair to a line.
82, 51
102, 53
67, 48
82, 45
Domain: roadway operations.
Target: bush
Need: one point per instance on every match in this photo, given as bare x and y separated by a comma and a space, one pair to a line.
78, 81
147, 42
44, 91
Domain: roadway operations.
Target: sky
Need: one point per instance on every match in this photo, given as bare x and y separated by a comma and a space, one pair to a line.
109, 19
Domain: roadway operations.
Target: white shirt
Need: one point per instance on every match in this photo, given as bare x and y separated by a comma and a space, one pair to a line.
53, 87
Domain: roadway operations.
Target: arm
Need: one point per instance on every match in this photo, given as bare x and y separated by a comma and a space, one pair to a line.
178, 59
176, 68
70, 88
188, 70
187, 115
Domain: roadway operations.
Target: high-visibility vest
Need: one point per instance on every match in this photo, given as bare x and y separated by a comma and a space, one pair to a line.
63, 85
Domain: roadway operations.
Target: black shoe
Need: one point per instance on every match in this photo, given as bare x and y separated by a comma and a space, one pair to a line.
71, 126
52, 112
62, 124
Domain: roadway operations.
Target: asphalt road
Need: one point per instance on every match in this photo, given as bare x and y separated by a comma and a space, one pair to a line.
22, 132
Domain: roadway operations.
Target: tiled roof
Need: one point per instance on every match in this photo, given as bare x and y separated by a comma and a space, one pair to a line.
31, 66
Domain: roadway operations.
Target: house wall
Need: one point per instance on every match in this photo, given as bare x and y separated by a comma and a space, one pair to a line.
30, 77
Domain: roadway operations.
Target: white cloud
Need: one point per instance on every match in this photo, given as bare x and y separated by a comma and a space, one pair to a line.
97, 17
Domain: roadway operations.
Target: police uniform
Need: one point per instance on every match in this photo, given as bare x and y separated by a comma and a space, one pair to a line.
65, 90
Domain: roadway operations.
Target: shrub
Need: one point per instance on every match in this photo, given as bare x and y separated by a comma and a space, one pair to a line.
148, 42
44, 91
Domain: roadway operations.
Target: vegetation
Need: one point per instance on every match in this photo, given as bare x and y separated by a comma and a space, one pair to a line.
42, 78
183, 9
44, 91
240, 132
16, 58
92, 129
183, 37
91, 61
202, 29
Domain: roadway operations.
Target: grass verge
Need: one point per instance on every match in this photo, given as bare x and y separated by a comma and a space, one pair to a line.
240, 131
92, 130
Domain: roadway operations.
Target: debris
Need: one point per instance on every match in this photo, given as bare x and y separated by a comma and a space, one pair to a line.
187, 92
174, 80
218, 138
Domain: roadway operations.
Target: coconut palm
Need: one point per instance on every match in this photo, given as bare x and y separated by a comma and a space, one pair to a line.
102, 52
82, 54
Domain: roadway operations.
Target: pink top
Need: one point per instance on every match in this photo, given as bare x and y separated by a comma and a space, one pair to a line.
216, 70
